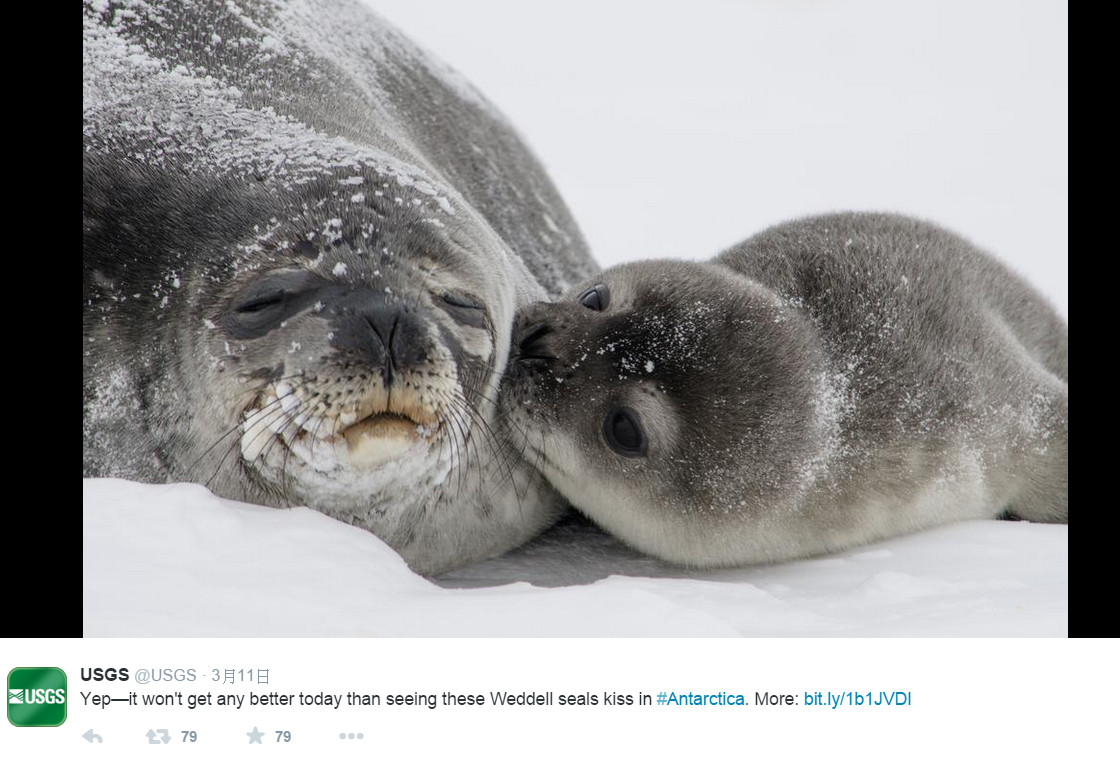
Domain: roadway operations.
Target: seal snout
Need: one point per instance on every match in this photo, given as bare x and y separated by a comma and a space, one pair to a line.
392, 340
388, 336
533, 344
376, 392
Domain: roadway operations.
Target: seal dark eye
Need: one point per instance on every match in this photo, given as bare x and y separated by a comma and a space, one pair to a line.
623, 431
596, 298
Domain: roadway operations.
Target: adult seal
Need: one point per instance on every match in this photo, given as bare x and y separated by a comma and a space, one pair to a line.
828, 382
304, 243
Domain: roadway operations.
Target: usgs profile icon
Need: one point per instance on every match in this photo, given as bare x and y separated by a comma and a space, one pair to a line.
36, 697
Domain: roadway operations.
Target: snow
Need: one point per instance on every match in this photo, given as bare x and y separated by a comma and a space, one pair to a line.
174, 560
669, 136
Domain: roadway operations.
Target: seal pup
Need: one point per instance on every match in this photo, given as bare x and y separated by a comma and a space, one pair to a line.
304, 243
829, 382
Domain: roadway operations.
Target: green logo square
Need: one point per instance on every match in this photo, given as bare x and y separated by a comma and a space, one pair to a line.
36, 697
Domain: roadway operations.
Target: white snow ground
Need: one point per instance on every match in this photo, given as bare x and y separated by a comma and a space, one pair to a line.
677, 134
175, 560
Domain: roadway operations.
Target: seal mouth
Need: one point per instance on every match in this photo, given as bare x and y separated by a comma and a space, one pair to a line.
363, 432
382, 436
383, 425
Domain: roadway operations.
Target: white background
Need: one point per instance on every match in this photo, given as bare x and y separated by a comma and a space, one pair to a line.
676, 129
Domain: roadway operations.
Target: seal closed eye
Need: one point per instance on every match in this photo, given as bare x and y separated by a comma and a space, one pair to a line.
465, 310
259, 303
828, 382
266, 303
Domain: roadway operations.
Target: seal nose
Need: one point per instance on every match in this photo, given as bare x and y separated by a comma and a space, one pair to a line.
395, 328
533, 344
389, 336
